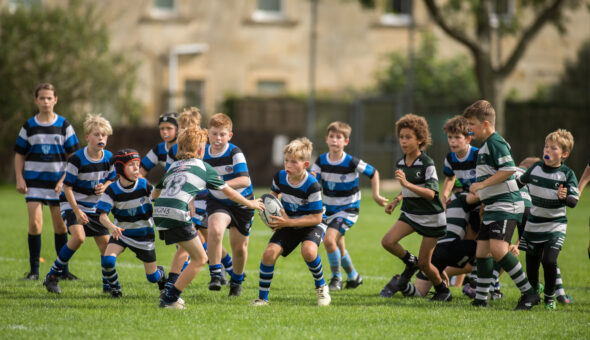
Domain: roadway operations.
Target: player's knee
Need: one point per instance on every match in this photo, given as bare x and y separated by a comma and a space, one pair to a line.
108, 262
550, 264
387, 242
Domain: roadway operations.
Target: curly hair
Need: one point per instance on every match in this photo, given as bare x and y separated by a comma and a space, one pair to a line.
457, 125
190, 141
417, 124
299, 148
97, 121
563, 138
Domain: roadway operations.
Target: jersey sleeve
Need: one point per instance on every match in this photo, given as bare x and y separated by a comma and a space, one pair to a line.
572, 186
316, 169
447, 169
71, 143
213, 179
22, 145
503, 158
430, 177
363, 167
112, 173
72, 169
239, 163
149, 161
314, 199
524, 178
275, 184
106, 201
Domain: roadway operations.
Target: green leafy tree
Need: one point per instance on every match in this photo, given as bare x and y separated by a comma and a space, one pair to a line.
68, 47
473, 23
447, 81
574, 84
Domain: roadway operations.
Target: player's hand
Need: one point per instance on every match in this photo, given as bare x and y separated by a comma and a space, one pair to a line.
256, 204
279, 221
513, 248
380, 200
58, 187
389, 208
400, 175
562, 192
21, 186
81, 217
99, 189
475, 187
116, 232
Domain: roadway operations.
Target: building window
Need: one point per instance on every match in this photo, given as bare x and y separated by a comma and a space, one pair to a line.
269, 10
270, 87
164, 8
194, 93
397, 13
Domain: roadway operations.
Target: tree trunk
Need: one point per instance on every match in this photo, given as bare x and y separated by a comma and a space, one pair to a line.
490, 85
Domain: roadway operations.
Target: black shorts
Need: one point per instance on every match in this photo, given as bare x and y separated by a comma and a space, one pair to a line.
498, 230
241, 217
142, 254
178, 234
456, 253
51, 203
339, 224
289, 238
522, 223
91, 229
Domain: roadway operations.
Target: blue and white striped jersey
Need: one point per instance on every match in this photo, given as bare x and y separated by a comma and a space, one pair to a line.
45, 146
200, 204
83, 174
132, 210
157, 155
340, 182
230, 163
300, 200
171, 156
462, 168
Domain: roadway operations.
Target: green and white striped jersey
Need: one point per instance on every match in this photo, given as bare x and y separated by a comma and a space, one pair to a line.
503, 200
547, 218
183, 180
422, 211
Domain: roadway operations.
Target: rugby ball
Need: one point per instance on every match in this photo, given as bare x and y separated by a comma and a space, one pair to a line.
272, 207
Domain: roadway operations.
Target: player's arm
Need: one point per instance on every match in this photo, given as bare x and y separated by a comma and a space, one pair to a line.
425, 193
375, 182
238, 198
304, 221
19, 166
238, 182
497, 178
80, 215
389, 208
448, 185
115, 231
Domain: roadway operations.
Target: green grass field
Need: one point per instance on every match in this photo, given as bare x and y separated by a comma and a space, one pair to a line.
82, 311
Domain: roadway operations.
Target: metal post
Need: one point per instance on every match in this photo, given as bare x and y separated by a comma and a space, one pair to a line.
311, 102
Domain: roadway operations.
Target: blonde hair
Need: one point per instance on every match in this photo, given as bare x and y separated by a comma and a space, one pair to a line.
97, 121
189, 117
528, 162
457, 126
563, 138
417, 124
190, 141
220, 120
482, 110
339, 127
299, 148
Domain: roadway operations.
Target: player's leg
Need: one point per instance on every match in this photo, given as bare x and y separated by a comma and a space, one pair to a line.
390, 242
267, 268
442, 292
484, 268
562, 297
217, 223
239, 248
102, 242
60, 238
198, 259
35, 211
109, 271
549, 260
78, 236
309, 251
178, 263
333, 251
155, 274
510, 264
